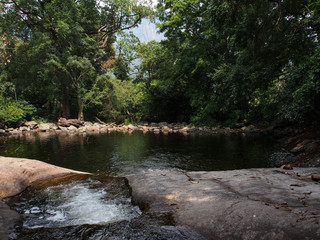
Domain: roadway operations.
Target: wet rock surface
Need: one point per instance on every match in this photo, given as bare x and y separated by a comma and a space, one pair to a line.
9, 219
141, 228
239, 204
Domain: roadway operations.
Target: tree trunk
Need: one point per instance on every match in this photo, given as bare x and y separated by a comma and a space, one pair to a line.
80, 112
65, 105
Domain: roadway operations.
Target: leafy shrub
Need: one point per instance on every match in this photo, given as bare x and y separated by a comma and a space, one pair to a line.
12, 112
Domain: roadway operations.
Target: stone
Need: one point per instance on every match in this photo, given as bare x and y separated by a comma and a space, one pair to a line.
315, 177
9, 219
70, 122
239, 204
24, 129
166, 129
72, 128
16, 174
93, 128
88, 124
44, 127
162, 124
15, 132
31, 124
82, 129
287, 166
63, 129
300, 147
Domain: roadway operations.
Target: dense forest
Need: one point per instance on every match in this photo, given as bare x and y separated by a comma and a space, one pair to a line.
222, 62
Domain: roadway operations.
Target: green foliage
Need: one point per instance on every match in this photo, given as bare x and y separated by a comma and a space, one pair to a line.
235, 55
222, 62
12, 112
301, 93
110, 98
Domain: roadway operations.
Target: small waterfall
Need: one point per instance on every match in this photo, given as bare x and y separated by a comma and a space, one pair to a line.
76, 203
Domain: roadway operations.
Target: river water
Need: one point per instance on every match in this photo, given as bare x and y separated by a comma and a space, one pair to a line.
99, 207
118, 154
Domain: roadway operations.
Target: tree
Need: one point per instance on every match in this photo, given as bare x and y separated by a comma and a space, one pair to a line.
66, 42
233, 54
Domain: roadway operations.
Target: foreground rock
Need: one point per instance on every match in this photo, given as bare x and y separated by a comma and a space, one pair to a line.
8, 220
16, 174
305, 148
240, 204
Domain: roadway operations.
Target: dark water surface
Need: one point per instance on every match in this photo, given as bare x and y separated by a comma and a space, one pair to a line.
118, 154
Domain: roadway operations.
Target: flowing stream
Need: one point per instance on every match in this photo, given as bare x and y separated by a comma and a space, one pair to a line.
100, 207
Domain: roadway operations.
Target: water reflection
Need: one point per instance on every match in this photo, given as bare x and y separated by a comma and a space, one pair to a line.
123, 153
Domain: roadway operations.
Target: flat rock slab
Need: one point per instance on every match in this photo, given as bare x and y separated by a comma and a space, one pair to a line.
239, 204
16, 174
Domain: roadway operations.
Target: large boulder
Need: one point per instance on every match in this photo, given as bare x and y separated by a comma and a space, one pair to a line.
70, 122
16, 174
30, 124
45, 127
240, 204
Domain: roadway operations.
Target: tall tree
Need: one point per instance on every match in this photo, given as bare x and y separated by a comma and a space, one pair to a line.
234, 53
66, 42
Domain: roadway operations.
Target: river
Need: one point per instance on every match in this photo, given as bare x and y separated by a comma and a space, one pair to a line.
99, 207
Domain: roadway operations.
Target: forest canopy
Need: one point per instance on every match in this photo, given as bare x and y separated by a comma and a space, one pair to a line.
221, 62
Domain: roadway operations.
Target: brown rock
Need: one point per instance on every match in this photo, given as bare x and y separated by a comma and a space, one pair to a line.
287, 166
31, 124
70, 122
315, 177
16, 174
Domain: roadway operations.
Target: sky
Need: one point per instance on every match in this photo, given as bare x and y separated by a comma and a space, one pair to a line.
147, 31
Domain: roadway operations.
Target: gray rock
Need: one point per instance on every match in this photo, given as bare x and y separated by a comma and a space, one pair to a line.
162, 124
72, 128
240, 204
8, 220
44, 127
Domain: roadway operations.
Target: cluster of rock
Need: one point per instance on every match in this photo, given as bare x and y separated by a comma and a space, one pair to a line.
305, 148
76, 126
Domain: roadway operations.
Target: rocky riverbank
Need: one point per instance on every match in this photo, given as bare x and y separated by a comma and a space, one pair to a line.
76, 126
